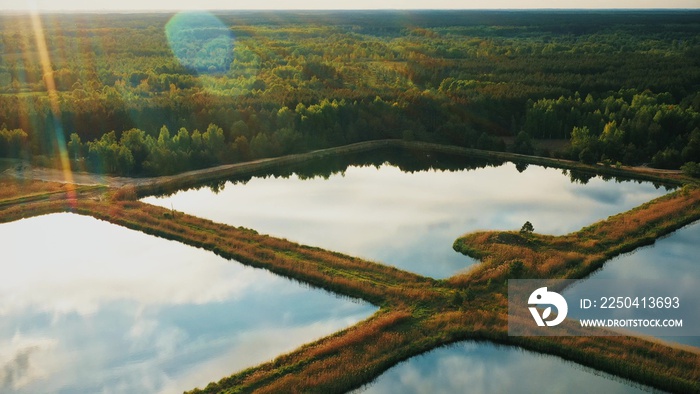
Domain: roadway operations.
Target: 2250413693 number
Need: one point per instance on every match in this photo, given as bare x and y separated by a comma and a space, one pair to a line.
639, 302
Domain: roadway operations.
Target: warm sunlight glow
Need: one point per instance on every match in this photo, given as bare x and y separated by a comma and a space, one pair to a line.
340, 4
53, 99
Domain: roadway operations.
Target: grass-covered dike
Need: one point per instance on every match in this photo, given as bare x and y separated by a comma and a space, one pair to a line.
416, 313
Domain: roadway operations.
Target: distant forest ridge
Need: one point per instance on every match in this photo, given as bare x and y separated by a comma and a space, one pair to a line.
160, 93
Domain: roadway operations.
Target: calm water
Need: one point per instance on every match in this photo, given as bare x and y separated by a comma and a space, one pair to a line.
672, 262
481, 368
94, 307
410, 219
485, 368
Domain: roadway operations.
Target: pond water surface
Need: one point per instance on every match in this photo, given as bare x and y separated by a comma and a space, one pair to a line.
485, 368
482, 368
409, 216
668, 267
87, 306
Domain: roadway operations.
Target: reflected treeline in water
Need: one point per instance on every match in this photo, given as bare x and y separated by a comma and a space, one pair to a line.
358, 203
408, 160
583, 177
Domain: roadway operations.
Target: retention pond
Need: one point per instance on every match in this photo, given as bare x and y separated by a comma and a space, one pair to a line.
87, 307
406, 208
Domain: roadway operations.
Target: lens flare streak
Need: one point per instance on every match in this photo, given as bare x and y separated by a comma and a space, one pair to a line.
53, 100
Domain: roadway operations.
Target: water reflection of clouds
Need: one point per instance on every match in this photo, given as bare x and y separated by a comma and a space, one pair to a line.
18, 361
83, 270
666, 268
672, 258
134, 313
484, 369
602, 195
387, 215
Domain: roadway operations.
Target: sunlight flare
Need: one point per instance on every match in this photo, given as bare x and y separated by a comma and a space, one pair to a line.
50, 83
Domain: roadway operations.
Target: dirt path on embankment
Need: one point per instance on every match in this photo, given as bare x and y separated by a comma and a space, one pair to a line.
27, 171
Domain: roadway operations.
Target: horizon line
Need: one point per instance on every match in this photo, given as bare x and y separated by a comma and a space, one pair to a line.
166, 10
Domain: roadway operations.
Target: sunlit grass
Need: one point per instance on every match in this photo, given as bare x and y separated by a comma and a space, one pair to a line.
416, 313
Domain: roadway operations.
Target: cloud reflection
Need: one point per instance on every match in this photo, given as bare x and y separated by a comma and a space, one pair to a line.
100, 308
410, 220
16, 369
482, 368
20, 361
668, 267
78, 271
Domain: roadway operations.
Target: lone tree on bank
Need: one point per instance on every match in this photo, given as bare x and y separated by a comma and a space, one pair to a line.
527, 228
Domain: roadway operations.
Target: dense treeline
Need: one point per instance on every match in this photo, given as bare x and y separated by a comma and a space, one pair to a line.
273, 133
626, 127
157, 93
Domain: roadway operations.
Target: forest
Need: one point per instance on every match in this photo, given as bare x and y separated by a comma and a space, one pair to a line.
154, 94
